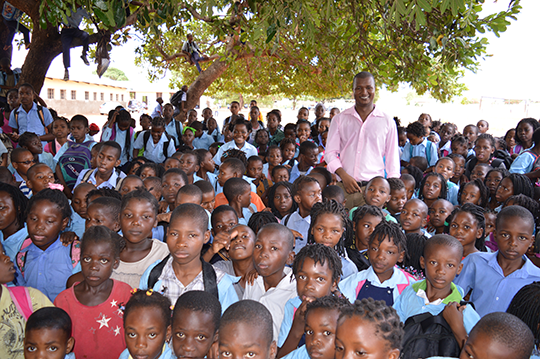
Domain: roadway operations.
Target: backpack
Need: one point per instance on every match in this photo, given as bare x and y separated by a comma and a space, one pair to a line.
22, 300
428, 151
127, 142
40, 115
20, 258
503, 157
119, 180
176, 99
208, 272
76, 159
146, 137
428, 335
11, 13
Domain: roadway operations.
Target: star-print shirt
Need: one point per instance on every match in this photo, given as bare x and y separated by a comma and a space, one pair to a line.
98, 330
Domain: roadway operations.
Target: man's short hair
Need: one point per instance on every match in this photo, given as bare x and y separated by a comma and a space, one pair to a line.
114, 145
363, 75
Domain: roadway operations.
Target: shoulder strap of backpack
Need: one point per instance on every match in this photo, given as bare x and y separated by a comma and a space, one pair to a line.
20, 258
41, 115
428, 151
87, 175
209, 279
22, 300
16, 115
286, 219
146, 137
153, 277
166, 145
118, 179
178, 130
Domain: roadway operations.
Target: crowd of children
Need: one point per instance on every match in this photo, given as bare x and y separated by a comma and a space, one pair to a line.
182, 240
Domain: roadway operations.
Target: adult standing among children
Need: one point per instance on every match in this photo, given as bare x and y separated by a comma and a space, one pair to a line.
362, 142
71, 31
195, 55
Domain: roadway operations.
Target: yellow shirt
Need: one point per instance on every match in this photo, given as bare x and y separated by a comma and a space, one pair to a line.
12, 322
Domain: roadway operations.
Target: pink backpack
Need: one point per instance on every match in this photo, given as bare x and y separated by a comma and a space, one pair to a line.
22, 300
20, 259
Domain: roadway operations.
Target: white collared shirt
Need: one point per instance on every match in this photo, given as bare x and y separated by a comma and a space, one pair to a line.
248, 149
110, 183
154, 151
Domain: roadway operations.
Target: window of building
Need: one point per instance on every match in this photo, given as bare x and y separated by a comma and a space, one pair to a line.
159, 94
62, 94
73, 94
86, 95
122, 98
102, 96
111, 97
50, 94
95, 96
132, 95
116, 97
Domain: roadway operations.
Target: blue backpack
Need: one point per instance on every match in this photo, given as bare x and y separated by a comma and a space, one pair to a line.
11, 13
76, 159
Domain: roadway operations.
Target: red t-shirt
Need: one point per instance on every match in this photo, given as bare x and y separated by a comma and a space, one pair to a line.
99, 330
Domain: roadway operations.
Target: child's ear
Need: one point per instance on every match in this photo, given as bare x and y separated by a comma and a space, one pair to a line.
290, 257
393, 354
206, 236
297, 199
70, 345
401, 256
155, 223
116, 263
213, 353
86, 130
424, 221
460, 267
335, 286
65, 223
423, 263
117, 163
169, 332
116, 226
479, 233
273, 350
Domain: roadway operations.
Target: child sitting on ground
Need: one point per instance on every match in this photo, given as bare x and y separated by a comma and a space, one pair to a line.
366, 218
48, 335
418, 145
138, 216
414, 217
330, 225
183, 269
195, 324
494, 278
274, 286
162, 145
383, 280
147, 326
97, 297
317, 269
437, 294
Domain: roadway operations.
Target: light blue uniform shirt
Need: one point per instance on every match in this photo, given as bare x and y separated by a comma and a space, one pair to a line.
288, 316
295, 172
110, 183
301, 225
247, 148
203, 142
218, 189
120, 138
30, 121
491, 290
166, 354
154, 151
12, 244
171, 130
48, 270
421, 150
452, 195
523, 163
76, 224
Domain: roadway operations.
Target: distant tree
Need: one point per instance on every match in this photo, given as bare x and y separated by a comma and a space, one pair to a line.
114, 74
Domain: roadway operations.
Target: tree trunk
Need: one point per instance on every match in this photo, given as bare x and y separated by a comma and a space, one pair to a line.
203, 81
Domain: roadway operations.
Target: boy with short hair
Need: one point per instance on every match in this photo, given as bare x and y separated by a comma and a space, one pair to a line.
280, 173
238, 193
274, 249
437, 293
208, 196
153, 185
160, 147
306, 192
254, 171
410, 185
414, 217
104, 211
398, 197
39, 177
31, 142
173, 180
231, 167
202, 139
245, 329
48, 335
334, 192
22, 160
188, 194
418, 145
183, 269
483, 126
306, 160
446, 167
195, 324
494, 278
470, 132
106, 174
480, 171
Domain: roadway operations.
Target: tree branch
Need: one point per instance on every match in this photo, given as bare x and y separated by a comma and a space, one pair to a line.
195, 14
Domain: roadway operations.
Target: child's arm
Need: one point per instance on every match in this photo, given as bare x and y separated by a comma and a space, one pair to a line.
296, 332
221, 240
453, 314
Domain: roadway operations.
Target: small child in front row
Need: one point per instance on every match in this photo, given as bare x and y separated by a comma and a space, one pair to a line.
97, 297
372, 326
437, 293
275, 284
238, 193
183, 269
414, 217
383, 280
138, 216
317, 269
330, 225
43, 261
147, 326
366, 218
48, 335
104, 211
494, 278
195, 324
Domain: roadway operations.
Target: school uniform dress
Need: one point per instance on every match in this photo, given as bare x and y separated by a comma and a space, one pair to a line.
367, 284
203, 142
47, 270
295, 172
120, 138
347, 267
274, 298
426, 149
276, 138
172, 288
414, 301
295, 222
154, 151
98, 330
12, 322
112, 182
491, 290
30, 121
247, 148
131, 272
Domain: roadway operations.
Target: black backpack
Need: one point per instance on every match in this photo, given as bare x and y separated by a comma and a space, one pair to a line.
176, 99
428, 335
146, 137
208, 272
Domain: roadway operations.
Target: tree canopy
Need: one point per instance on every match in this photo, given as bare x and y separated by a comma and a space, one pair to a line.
287, 47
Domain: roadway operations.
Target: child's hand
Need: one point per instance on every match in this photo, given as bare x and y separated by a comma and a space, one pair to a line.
287, 167
249, 278
163, 206
453, 314
296, 234
300, 314
67, 238
164, 217
222, 240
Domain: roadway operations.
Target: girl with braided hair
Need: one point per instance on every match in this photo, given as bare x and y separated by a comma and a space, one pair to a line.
330, 225
526, 306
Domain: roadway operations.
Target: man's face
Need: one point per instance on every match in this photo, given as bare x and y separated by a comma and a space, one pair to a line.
364, 91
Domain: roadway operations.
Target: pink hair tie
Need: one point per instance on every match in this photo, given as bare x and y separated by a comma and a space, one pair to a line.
57, 186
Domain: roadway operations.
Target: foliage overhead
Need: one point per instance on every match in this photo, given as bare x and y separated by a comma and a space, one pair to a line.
306, 47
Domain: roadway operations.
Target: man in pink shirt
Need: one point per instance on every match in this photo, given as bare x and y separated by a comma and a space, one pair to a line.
362, 142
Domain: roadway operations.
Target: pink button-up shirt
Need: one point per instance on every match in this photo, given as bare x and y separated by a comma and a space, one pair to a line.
364, 149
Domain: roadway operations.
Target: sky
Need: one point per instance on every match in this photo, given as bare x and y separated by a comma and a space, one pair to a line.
511, 72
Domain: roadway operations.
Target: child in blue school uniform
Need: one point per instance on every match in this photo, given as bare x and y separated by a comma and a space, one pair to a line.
494, 278
43, 261
419, 145
79, 205
13, 230
383, 280
317, 269
435, 294
147, 324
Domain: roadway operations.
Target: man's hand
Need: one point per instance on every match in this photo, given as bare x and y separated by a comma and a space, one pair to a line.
350, 184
